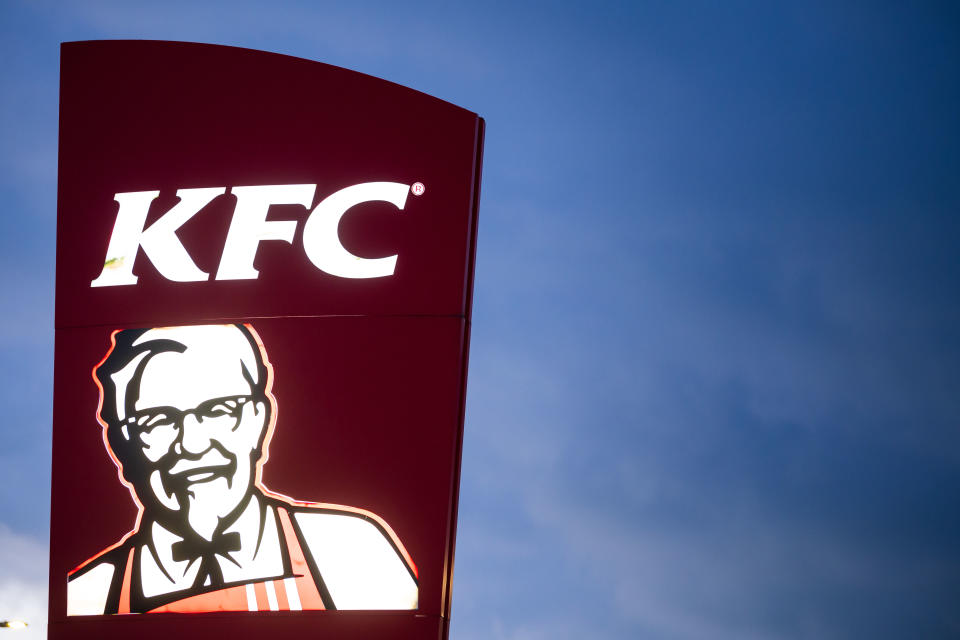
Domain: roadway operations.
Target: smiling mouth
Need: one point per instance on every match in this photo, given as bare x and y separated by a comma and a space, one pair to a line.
201, 474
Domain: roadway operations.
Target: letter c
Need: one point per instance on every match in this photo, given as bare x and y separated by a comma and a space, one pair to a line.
321, 238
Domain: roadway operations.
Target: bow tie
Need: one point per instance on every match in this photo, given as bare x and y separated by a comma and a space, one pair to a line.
196, 547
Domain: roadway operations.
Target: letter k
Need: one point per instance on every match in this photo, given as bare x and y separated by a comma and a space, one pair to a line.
159, 241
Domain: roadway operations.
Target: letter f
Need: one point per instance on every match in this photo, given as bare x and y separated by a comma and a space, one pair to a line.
159, 241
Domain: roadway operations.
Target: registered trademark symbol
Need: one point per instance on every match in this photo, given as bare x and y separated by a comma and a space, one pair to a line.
417, 189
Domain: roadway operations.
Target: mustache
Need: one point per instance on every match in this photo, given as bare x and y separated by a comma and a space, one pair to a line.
211, 459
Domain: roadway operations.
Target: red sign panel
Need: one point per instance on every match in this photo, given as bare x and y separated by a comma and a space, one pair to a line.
264, 272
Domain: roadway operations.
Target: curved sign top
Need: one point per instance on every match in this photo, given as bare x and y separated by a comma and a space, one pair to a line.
209, 182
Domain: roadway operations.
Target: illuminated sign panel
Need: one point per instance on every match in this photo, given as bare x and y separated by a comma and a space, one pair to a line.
264, 271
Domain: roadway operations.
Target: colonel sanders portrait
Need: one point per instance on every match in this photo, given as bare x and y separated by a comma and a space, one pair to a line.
187, 416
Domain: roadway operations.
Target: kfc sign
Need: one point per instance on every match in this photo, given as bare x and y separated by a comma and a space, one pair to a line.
261, 349
248, 229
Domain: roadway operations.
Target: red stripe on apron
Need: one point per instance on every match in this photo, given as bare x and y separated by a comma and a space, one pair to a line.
306, 588
124, 606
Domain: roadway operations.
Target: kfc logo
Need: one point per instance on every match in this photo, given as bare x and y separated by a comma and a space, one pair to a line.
248, 228
187, 416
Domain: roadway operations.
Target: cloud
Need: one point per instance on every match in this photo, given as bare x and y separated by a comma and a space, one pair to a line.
741, 436
23, 582
666, 503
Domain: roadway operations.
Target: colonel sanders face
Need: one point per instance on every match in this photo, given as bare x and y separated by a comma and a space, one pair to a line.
188, 421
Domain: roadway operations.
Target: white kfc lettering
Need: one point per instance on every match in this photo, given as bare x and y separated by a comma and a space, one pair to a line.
159, 241
248, 228
322, 243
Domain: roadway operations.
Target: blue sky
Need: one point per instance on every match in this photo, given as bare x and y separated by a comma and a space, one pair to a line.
715, 371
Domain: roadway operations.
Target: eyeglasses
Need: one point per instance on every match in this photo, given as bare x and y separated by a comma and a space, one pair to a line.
216, 413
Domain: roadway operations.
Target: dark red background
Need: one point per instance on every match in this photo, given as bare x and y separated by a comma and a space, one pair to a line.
369, 374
